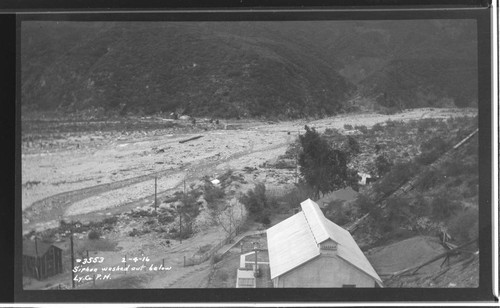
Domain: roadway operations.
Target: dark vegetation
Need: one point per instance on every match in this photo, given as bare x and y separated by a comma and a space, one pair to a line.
94, 235
259, 205
65, 228
246, 69
396, 152
444, 196
324, 167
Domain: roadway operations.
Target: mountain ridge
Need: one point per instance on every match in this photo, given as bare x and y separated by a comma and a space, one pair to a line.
246, 69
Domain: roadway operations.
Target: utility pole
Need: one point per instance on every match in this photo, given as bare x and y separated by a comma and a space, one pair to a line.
180, 212
37, 265
155, 192
297, 161
72, 263
296, 167
255, 247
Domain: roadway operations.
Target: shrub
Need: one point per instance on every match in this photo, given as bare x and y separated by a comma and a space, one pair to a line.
364, 203
257, 203
94, 235
431, 150
212, 193
454, 183
165, 218
204, 248
134, 232
399, 211
216, 258
471, 188
463, 226
293, 150
224, 276
187, 230
332, 132
443, 206
389, 110
351, 146
377, 128
337, 213
362, 128
266, 221
110, 220
453, 168
425, 125
299, 193
429, 179
421, 206
457, 168
399, 174
383, 165
390, 123
348, 126
227, 176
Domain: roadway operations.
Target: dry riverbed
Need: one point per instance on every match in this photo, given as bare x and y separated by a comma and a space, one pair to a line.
104, 177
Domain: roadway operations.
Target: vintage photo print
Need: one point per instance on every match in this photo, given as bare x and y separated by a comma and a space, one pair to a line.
251, 153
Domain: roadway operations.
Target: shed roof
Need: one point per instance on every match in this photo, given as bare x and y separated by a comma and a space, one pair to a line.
296, 240
30, 249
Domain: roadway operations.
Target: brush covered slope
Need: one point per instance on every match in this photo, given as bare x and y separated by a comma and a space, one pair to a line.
246, 69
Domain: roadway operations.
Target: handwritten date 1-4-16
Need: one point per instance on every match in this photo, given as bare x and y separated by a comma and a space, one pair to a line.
135, 259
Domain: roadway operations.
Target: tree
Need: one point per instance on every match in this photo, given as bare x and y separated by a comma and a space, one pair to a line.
323, 167
352, 147
257, 203
229, 217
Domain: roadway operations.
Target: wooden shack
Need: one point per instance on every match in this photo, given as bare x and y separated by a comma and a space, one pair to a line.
41, 260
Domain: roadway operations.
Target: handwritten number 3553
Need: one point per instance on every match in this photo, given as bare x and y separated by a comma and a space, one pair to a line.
93, 260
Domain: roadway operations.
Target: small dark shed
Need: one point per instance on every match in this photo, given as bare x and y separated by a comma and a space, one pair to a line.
41, 260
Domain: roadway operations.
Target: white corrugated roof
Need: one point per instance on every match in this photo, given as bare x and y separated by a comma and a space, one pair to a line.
348, 250
315, 217
290, 243
295, 240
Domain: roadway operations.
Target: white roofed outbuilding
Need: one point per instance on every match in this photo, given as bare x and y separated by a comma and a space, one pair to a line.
308, 250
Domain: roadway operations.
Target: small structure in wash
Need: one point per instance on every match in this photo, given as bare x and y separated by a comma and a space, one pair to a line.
308, 250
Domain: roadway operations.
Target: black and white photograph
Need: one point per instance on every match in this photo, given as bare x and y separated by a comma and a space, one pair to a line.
249, 154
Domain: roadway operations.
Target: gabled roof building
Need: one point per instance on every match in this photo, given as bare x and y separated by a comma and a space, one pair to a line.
41, 260
308, 250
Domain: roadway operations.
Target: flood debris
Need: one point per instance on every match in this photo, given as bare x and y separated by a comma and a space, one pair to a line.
190, 139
